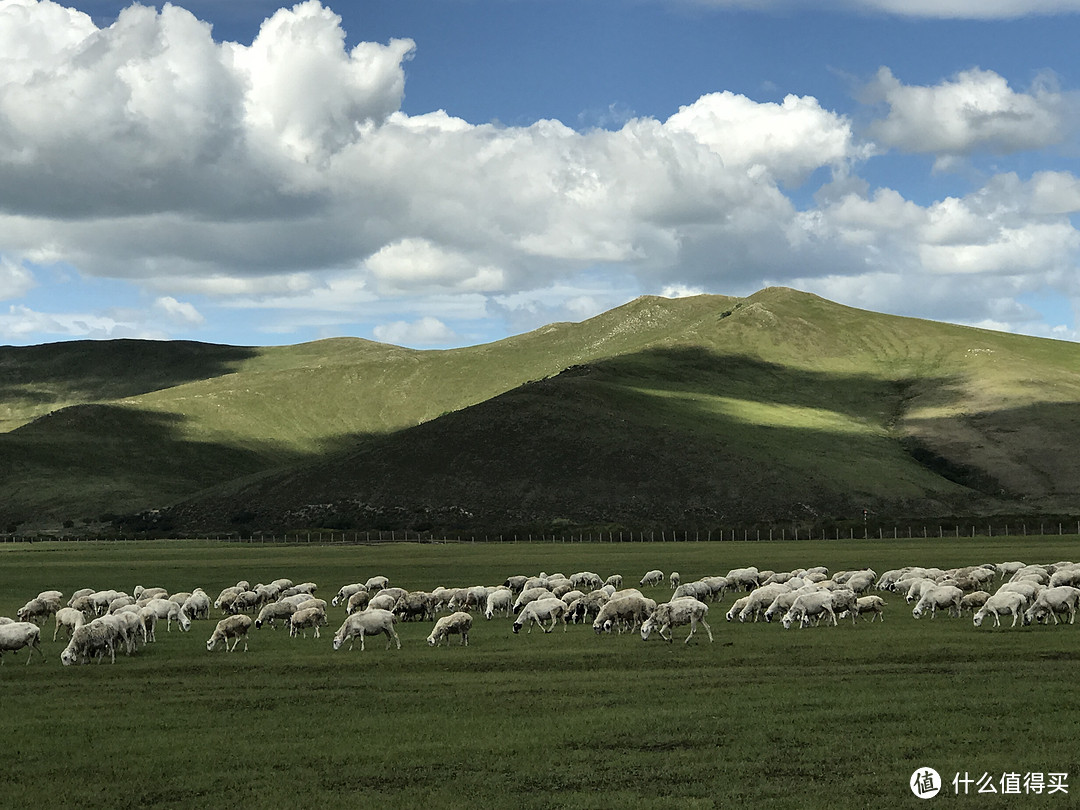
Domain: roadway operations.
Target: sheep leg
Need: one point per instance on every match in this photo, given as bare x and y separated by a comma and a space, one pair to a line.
708, 629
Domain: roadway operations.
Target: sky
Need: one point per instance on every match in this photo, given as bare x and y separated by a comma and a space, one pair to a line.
442, 173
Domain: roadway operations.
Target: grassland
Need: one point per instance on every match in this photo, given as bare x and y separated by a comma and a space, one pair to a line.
836, 717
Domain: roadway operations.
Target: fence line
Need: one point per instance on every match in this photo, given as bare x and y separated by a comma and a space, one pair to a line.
756, 533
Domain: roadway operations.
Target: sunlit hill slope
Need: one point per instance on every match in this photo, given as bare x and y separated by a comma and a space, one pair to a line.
694, 411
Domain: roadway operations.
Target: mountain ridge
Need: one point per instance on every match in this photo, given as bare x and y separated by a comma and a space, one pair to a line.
770, 407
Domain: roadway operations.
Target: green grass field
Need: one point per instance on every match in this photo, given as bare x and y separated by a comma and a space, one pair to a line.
822, 717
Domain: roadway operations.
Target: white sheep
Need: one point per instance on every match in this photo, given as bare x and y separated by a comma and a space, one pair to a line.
871, 604
367, 623
1055, 600
376, 584
737, 607
677, 612
170, 612
15, 636
92, 640
197, 606
416, 605
500, 599
531, 595
1001, 602
630, 610
810, 606
231, 627
744, 578
759, 601
614, 580
652, 578
358, 601
382, 601
674, 579
69, 619
273, 611
305, 618
459, 623
941, 596
345, 591
540, 610
37, 611
974, 600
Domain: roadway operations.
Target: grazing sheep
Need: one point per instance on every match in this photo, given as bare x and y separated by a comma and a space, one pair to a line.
92, 640
674, 579
304, 618
345, 591
358, 601
871, 604
130, 626
499, 599
367, 623
516, 583
744, 578
1052, 601
382, 601
15, 636
974, 600
759, 601
652, 578
37, 611
531, 595
942, 596
197, 606
587, 607
170, 612
275, 610
69, 619
234, 627
459, 623
377, 583
225, 598
142, 594
631, 610
810, 606
614, 580
243, 602
845, 602
540, 610
737, 607
1001, 602
416, 605
677, 612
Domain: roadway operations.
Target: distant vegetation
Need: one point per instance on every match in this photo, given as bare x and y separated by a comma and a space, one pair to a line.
689, 412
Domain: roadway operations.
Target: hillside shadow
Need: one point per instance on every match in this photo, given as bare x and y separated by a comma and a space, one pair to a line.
100, 370
695, 371
636, 437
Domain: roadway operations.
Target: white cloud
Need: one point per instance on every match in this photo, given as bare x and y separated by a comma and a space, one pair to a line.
976, 110
427, 331
21, 323
15, 279
786, 141
178, 312
283, 177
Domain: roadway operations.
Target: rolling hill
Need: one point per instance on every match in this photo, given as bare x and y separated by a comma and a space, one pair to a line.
695, 411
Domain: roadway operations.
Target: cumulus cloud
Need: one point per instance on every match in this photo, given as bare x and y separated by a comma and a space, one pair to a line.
976, 110
283, 176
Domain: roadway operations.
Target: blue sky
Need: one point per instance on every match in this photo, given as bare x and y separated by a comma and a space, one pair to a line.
446, 172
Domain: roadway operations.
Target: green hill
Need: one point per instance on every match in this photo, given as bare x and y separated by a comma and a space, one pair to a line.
777, 406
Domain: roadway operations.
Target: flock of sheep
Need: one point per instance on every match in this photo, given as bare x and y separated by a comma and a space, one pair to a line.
96, 623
